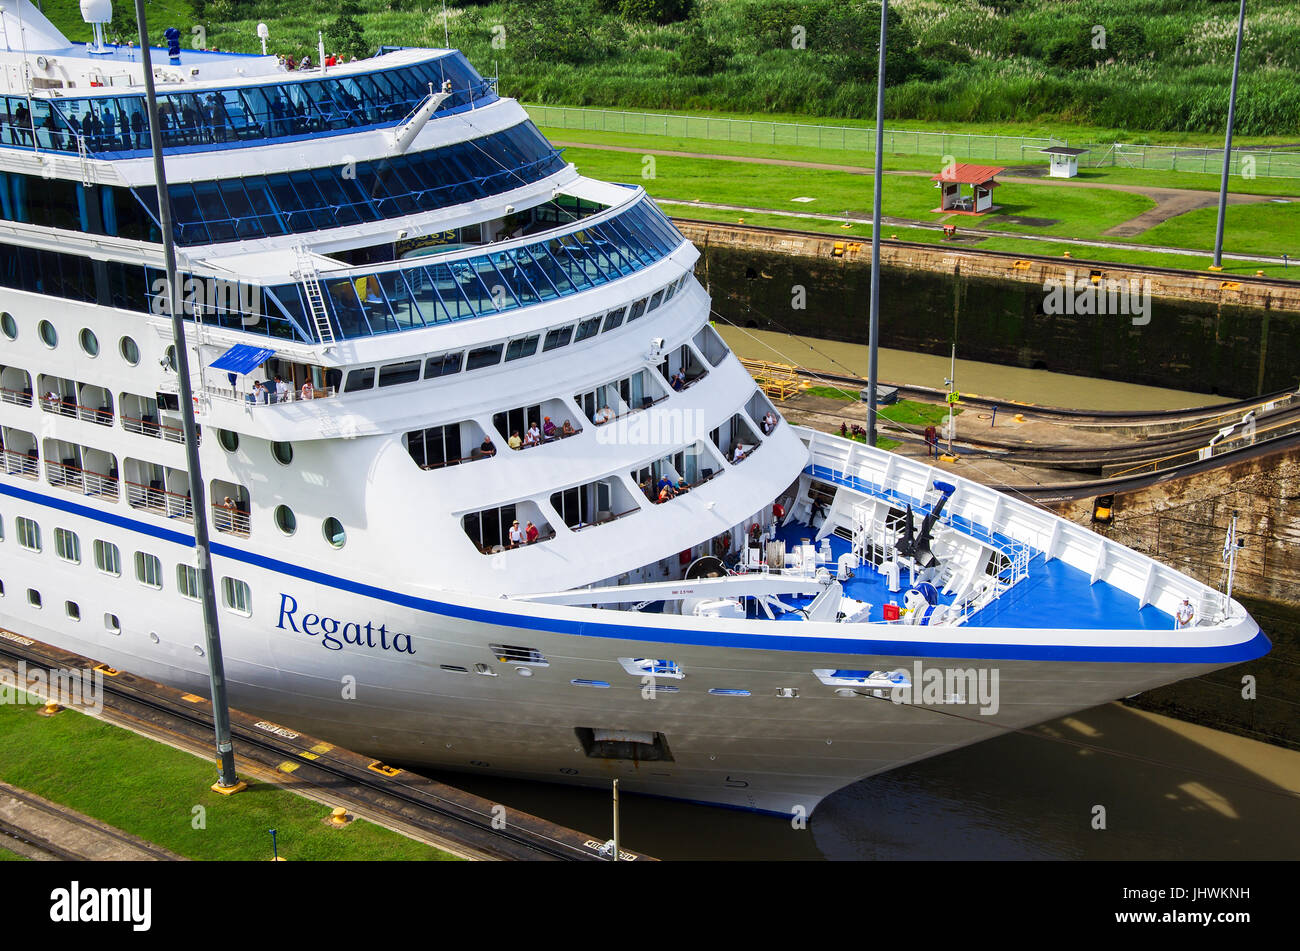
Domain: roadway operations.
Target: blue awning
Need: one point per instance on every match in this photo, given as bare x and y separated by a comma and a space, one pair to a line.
242, 358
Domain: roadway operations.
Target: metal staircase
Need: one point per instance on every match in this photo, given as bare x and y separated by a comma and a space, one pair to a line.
315, 299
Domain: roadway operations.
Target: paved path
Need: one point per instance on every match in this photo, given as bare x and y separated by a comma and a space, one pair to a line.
1170, 202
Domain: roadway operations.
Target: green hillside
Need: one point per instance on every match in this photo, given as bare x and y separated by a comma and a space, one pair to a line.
1125, 65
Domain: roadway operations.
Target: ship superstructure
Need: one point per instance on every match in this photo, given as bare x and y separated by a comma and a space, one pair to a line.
488, 492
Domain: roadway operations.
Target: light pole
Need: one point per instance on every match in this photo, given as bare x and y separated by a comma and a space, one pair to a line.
873, 333
227, 781
1227, 147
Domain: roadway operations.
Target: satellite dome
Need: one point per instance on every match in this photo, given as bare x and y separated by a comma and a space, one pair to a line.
97, 11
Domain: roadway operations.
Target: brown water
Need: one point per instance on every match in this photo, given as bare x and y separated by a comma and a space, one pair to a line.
980, 379
1170, 790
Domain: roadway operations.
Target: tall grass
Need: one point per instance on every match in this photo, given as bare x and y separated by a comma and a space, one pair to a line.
1165, 67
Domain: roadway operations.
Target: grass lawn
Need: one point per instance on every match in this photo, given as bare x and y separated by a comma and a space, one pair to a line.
150, 790
1248, 229
912, 413
7, 856
902, 161
1081, 212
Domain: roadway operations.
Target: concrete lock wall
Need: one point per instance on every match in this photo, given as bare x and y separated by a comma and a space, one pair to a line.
1237, 340
1183, 523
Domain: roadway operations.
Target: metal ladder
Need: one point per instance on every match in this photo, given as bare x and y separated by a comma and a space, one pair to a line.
315, 300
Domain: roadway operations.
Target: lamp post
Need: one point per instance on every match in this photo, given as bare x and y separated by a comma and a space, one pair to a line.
1227, 147
227, 781
873, 334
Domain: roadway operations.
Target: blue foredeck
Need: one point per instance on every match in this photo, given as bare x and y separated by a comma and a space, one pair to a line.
1054, 595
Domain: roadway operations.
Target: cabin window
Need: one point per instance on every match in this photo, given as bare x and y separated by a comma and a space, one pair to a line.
8, 326
107, 558
187, 581
521, 347
48, 334
29, 534
148, 570
112, 624
33, 597
397, 373
484, 357
285, 520
333, 531
443, 365
614, 319
557, 338
587, 328
89, 342
237, 596
362, 379
68, 545
637, 310
655, 300
73, 610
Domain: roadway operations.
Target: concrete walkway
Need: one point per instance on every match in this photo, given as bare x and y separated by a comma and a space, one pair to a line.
53, 832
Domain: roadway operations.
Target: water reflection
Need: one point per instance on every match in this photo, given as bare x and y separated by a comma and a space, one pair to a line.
1166, 794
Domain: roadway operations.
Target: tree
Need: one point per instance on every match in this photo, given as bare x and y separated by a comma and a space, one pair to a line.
346, 36
698, 54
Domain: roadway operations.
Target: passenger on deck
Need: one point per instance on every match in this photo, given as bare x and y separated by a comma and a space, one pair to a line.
307, 392
567, 429
681, 488
281, 390
486, 447
679, 381
548, 429
514, 442
769, 423
259, 392
516, 534
533, 437
531, 533
604, 416
1184, 614
739, 453
665, 493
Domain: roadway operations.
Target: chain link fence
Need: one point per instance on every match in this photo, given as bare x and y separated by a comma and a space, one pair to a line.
1018, 149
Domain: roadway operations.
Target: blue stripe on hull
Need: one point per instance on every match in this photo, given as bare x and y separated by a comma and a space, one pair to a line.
1229, 654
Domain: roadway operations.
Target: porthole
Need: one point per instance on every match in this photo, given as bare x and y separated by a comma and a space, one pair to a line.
334, 533
8, 325
48, 334
283, 452
89, 342
287, 522
112, 624
229, 441
130, 352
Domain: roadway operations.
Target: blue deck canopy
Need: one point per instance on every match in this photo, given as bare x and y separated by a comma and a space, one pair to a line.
242, 358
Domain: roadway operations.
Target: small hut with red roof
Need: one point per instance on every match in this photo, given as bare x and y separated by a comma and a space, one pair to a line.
980, 180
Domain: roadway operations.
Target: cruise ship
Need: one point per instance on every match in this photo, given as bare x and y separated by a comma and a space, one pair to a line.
487, 490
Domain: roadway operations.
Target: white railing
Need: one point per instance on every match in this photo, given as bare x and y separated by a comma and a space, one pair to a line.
159, 501
20, 464
84, 481
231, 521
292, 395
17, 397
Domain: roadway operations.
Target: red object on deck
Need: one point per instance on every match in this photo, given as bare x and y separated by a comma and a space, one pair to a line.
891, 612
685, 557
